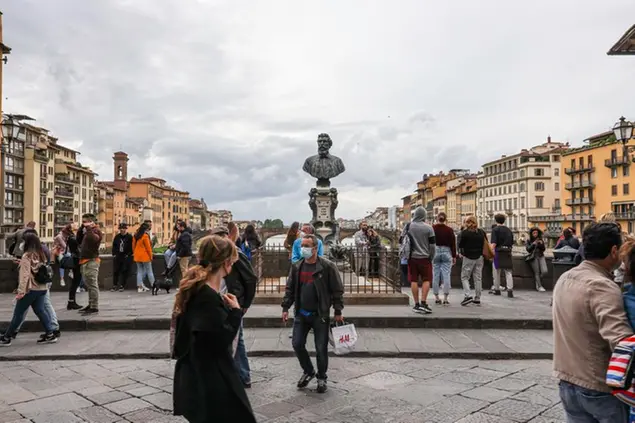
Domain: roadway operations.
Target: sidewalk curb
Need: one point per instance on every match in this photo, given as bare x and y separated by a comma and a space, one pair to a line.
290, 354
413, 322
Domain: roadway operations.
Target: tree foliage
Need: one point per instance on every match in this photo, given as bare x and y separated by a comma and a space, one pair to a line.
273, 224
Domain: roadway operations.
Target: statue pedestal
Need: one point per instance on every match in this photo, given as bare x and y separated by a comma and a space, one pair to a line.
323, 202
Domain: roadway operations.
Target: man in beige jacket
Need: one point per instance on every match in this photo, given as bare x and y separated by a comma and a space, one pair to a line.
588, 322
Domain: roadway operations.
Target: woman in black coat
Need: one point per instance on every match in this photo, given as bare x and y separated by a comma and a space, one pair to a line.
207, 388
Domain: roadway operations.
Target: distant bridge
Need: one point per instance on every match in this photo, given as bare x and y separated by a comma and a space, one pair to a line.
391, 236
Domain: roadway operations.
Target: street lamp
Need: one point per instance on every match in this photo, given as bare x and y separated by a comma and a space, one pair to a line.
623, 131
10, 128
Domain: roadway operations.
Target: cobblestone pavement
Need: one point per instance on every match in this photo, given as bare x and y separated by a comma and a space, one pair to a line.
360, 390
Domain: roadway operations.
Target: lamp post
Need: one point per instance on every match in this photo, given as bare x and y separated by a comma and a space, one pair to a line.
10, 129
623, 131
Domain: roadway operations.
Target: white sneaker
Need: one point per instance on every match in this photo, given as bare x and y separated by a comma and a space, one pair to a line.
62, 283
140, 288
70, 274
541, 289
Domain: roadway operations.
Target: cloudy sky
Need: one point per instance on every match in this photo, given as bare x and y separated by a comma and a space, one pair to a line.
226, 98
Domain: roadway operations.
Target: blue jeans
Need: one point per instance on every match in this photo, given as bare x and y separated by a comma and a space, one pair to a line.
143, 270
37, 301
240, 360
441, 269
301, 327
583, 405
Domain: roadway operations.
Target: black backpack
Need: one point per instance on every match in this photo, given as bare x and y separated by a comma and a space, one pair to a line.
44, 274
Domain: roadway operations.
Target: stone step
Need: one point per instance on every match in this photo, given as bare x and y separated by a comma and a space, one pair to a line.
400, 343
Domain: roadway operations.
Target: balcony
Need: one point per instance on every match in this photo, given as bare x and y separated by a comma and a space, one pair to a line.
625, 216
14, 187
580, 201
64, 193
63, 208
547, 218
13, 204
41, 155
13, 169
578, 185
64, 178
43, 207
44, 190
580, 217
581, 169
617, 161
509, 212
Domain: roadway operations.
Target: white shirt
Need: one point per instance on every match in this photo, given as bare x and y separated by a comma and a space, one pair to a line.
223, 287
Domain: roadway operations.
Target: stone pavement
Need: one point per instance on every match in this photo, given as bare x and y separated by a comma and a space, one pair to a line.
405, 343
360, 391
132, 310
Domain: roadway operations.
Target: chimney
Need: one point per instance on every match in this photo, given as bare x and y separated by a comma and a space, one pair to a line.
548, 139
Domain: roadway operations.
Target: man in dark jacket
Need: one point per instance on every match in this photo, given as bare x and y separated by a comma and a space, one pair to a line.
241, 282
183, 247
314, 284
122, 258
89, 238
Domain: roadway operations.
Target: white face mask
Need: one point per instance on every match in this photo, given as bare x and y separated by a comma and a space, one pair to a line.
307, 252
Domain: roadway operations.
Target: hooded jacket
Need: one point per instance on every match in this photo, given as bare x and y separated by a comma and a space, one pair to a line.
535, 245
242, 281
422, 238
183, 246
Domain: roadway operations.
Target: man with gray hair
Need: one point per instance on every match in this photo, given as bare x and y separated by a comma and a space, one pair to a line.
420, 243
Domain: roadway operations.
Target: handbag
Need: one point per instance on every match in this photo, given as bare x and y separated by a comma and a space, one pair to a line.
488, 252
66, 260
343, 337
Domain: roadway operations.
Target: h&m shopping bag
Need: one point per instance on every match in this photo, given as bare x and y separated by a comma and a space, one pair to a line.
343, 337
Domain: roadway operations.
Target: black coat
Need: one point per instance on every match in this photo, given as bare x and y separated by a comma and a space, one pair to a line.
207, 388
242, 281
127, 245
183, 246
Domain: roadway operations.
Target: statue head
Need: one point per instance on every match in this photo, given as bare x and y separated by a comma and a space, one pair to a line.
324, 144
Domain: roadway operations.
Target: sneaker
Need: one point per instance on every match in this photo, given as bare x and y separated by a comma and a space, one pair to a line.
113, 289
5, 342
510, 294
141, 289
417, 309
446, 302
247, 385
305, 379
541, 289
89, 310
62, 283
70, 274
477, 301
425, 308
120, 289
321, 388
497, 292
467, 300
13, 337
438, 301
48, 338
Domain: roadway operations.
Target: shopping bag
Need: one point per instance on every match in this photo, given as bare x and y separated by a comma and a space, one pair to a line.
343, 338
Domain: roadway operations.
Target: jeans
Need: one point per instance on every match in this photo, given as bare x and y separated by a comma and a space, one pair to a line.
539, 266
143, 270
240, 360
441, 269
583, 405
37, 301
170, 258
301, 327
473, 268
90, 273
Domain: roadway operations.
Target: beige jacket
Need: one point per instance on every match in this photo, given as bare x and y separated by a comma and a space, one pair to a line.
588, 322
29, 264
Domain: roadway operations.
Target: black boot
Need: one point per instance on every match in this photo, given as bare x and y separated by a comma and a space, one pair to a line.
72, 305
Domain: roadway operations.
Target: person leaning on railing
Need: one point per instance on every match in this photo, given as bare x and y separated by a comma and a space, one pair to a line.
296, 255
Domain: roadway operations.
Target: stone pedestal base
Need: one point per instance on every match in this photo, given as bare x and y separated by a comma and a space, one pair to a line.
323, 202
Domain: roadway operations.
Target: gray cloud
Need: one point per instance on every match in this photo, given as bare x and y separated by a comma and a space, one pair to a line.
227, 98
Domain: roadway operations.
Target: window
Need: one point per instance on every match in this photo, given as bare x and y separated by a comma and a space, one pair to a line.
556, 204
521, 187
614, 190
539, 172
50, 217
522, 173
522, 202
625, 171
556, 186
50, 233
50, 202
614, 173
539, 201
625, 189
556, 171
556, 159
539, 186
515, 203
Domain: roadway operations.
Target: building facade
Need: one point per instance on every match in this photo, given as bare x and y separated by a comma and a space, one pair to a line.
468, 203
520, 186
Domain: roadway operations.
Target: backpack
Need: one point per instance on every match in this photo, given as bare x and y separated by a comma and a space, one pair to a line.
44, 274
12, 247
405, 242
246, 249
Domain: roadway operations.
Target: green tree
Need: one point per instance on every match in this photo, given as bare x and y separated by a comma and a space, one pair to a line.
273, 224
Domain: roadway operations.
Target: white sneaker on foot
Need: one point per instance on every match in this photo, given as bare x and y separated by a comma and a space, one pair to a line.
541, 289
62, 283
140, 289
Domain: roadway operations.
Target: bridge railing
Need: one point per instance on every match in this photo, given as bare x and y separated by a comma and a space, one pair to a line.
362, 271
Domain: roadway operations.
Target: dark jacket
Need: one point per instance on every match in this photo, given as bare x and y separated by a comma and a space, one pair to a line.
471, 243
253, 241
328, 284
572, 242
89, 242
535, 245
207, 387
126, 240
242, 281
183, 246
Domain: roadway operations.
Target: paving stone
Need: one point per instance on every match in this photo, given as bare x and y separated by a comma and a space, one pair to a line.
57, 417
64, 402
9, 416
277, 409
143, 391
12, 394
158, 382
383, 380
96, 390
108, 397
140, 376
470, 377
451, 409
511, 384
486, 394
546, 420
482, 418
127, 406
539, 395
160, 400
148, 415
96, 415
117, 381
555, 412
517, 411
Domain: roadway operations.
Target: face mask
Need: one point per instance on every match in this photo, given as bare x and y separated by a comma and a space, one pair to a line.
307, 252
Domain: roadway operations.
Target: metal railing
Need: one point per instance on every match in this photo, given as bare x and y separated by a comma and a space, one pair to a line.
272, 265
580, 169
617, 161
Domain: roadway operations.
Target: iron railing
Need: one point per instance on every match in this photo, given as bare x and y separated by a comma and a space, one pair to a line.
272, 265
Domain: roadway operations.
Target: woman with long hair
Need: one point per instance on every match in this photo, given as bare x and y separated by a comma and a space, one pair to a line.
142, 253
444, 258
250, 241
32, 292
292, 235
374, 248
207, 387
471, 243
536, 258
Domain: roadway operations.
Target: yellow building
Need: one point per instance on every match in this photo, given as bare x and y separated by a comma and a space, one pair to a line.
467, 194
597, 179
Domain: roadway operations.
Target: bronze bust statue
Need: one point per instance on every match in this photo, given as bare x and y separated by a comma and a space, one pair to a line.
323, 166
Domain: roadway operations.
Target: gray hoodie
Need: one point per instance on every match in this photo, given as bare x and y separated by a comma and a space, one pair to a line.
423, 242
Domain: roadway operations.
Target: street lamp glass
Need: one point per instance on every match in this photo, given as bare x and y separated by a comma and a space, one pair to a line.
10, 129
623, 130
